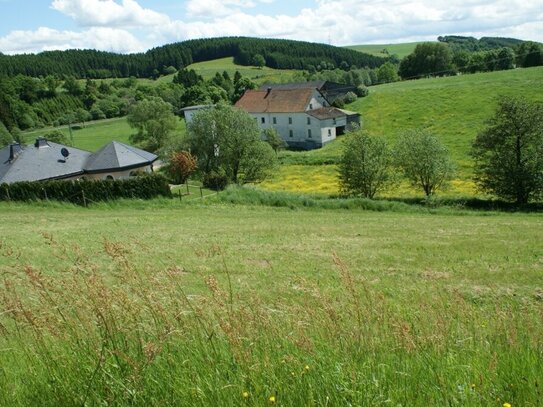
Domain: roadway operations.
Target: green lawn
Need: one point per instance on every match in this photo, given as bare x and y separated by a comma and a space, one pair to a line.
204, 303
384, 50
94, 135
208, 70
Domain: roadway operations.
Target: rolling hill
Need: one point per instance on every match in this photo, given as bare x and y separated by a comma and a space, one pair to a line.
386, 50
453, 108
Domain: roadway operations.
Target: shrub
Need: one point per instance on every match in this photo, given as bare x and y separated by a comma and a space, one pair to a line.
362, 91
182, 166
84, 191
350, 97
216, 180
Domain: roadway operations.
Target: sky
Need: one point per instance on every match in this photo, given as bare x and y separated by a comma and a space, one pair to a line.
126, 26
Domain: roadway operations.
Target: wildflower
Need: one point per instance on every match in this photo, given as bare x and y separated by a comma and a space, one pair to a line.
245, 394
506, 405
473, 385
306, 367
272, 400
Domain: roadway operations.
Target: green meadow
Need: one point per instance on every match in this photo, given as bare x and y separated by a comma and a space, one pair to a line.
385, 50
208, 70
93, 135
206, 302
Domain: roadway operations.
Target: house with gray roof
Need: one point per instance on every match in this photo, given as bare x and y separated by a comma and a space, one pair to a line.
46, 160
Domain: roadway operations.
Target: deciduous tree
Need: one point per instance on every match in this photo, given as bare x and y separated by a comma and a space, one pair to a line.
509, 152
227, 140
154, 120
423, 160
366, 165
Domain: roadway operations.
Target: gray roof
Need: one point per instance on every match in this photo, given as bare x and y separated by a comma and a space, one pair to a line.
295, 85
41, 163
118, 156
326, 113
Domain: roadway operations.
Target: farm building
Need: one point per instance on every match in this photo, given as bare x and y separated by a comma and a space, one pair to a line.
45, 160
302, 116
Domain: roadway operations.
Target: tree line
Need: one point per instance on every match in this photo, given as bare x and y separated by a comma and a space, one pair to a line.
274, 53
440, 59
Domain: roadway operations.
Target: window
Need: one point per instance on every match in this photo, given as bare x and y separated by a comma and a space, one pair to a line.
275, 120
311, 106
309, 120
290, 120
334, 121
309, 133
263, 120
109, 177
290, 133
329, 133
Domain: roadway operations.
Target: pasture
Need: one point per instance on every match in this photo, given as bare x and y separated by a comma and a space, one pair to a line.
209, 303
455, 109
385, 50
93, 135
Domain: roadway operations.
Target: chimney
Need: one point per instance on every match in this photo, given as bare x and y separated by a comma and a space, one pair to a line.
41, 142
267, 92
14, 150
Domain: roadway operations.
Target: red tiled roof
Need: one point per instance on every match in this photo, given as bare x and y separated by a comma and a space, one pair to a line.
275, 100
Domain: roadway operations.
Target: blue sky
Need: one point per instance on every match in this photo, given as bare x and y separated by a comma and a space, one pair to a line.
137, 25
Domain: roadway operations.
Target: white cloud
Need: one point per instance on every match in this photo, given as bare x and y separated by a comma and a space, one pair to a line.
342, 22
45, 39
109, 13
346, 22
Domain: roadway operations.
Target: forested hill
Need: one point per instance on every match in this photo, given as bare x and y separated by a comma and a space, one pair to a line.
274, 53
471, 44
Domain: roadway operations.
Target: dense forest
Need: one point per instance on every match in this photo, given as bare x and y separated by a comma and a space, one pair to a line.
471, 44
274, 53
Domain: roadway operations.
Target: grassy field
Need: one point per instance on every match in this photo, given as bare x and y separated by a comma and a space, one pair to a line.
454, 109
208, 70
168, 303
98, 133
384, 50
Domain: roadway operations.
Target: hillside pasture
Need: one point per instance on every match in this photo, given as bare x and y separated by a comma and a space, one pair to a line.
454, 108
385, 50
208, 70
150, 303
95, 134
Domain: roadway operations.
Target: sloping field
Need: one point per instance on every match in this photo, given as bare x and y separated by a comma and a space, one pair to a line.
454, 109
98, 133
385, 50
162, 302
208, 70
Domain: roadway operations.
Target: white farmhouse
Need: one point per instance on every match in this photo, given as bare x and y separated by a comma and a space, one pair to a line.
302, 117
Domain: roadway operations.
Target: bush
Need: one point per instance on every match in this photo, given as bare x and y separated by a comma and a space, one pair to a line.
216, 180
182, 165
83, 191
362, 91
350, 97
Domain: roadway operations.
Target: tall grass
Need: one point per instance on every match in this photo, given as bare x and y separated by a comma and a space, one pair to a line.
127, 335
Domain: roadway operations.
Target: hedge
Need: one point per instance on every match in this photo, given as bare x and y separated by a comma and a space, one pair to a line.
84, 191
